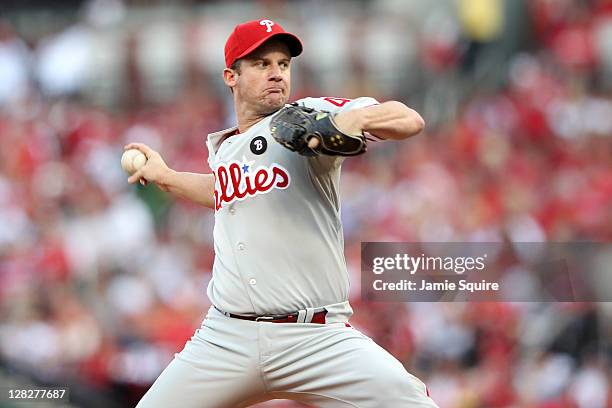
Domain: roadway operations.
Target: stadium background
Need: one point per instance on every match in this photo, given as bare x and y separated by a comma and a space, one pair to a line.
102, 282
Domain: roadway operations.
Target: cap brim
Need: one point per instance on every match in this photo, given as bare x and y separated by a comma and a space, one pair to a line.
294, 44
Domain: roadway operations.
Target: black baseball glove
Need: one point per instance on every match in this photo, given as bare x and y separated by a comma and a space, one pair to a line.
293, 126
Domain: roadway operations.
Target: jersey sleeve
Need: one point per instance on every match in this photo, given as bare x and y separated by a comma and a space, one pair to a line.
211, 153
337, 105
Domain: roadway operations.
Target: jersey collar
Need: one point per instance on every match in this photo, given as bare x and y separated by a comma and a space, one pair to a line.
215, 139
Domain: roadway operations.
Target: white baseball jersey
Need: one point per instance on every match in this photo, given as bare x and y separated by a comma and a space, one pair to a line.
279, 243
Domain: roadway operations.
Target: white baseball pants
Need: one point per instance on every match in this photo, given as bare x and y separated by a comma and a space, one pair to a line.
236, 363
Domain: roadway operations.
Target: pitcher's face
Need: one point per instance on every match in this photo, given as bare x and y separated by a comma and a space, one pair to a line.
263, 79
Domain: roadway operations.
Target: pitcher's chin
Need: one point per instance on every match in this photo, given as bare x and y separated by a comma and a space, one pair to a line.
274, 102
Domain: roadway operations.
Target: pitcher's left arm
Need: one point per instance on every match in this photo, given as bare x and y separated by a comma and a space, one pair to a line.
389, 120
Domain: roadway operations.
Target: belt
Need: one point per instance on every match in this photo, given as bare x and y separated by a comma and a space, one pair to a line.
295, 317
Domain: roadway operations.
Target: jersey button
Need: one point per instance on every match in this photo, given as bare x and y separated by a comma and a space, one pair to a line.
232, 210
241, 246
252, 281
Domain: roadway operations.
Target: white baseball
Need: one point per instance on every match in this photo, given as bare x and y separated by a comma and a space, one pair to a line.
138, 161
132, 160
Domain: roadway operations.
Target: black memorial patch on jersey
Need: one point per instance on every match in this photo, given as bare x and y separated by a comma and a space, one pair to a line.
259, 145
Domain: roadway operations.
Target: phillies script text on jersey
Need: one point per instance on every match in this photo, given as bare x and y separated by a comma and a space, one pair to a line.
236, 180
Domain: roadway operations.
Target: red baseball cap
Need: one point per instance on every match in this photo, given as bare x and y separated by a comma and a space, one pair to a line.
249, 36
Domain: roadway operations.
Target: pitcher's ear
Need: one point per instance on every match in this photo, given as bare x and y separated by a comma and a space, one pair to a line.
229, 77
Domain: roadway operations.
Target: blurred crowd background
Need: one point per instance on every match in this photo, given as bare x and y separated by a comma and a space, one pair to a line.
102, 282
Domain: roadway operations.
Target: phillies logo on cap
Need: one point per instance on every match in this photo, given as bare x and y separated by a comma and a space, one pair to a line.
249, 36
268, 24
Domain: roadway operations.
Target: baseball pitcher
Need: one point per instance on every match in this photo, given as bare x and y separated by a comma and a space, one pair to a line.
279, 324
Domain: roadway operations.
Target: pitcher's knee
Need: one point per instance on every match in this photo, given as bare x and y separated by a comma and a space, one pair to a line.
399, 388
